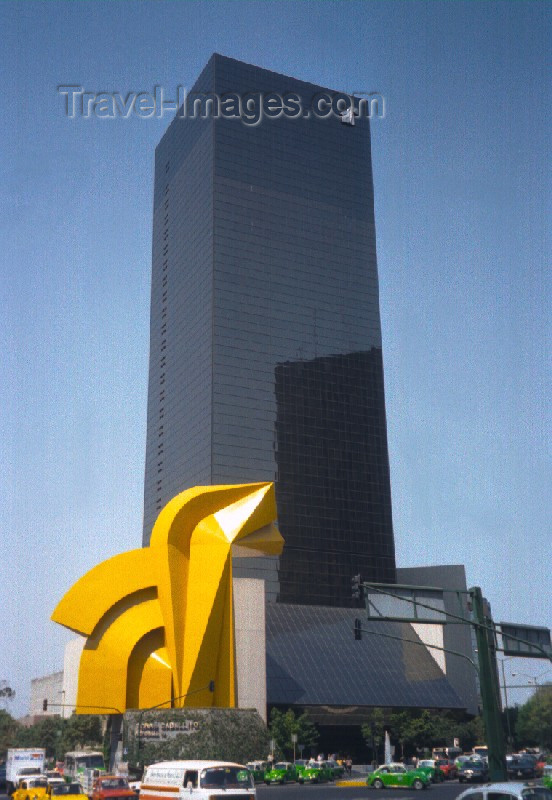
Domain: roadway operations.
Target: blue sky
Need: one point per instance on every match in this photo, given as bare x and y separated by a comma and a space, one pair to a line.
462, 189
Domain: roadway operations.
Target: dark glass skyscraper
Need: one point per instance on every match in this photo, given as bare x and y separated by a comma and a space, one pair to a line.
265, 349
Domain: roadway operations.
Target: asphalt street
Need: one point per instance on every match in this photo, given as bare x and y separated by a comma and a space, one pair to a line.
293, 791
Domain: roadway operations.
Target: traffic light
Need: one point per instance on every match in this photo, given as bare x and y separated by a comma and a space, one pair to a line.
45, 705
358, 630
356, 588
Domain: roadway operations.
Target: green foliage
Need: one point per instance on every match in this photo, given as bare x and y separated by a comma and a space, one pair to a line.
424, 730
374, 729
419, 729
9, 728
57, 735
375, 726
82, 730
471, 733
49, 732
283, 724
534, 722
6, 692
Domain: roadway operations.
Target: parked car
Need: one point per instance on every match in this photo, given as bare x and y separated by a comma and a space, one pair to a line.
315, 772
31, 788
521, 767
257, 769
507, 791
338, 770
429, 766
475, 771
282, 772
112, 787
398, 775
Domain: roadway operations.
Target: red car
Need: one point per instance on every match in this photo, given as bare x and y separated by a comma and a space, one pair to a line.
112, 787
447, 767
540, 765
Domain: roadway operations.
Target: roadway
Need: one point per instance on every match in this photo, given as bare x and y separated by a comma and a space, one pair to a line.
293, 791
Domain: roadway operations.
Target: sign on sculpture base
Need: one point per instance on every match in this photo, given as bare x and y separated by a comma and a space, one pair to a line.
226, 734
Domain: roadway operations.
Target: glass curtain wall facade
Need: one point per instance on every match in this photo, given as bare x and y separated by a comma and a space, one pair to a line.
265, 340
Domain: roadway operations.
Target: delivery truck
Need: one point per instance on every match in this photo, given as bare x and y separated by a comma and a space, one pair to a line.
22, 761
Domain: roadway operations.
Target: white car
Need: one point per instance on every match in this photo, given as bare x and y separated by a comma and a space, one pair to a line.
507, 791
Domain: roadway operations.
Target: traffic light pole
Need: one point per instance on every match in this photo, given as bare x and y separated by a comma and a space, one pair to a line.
490, 697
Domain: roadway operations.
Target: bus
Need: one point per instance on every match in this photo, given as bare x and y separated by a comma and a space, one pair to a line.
78, 762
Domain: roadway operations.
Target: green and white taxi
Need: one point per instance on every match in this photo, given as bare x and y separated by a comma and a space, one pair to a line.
338, 770
429, 766
315, 772
282, 772
258, 769
398, 775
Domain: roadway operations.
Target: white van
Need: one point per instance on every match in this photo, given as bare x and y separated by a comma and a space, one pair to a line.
188, 780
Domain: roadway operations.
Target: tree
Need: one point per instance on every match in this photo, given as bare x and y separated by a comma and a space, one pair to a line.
6, 692
423, 731
8, 732
81, 730
534, 723
49, 734
472, 732
419, 729
373, 730
284, 723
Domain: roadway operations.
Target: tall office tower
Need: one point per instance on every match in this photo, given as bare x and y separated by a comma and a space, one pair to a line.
265, 348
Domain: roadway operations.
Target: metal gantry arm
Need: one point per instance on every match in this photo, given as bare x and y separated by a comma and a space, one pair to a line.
420, 644
485, 631
383, 588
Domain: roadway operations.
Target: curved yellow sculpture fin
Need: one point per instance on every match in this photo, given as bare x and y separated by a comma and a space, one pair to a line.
104, 668
91, 597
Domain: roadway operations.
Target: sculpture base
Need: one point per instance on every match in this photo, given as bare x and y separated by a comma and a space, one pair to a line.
227, 734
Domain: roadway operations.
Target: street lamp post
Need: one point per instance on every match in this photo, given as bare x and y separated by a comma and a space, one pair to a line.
62, 693
532, 679
506, 709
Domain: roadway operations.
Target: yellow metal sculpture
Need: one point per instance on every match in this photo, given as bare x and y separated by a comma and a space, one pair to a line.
159, 620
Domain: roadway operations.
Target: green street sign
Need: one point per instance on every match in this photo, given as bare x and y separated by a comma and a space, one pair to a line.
526, 641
